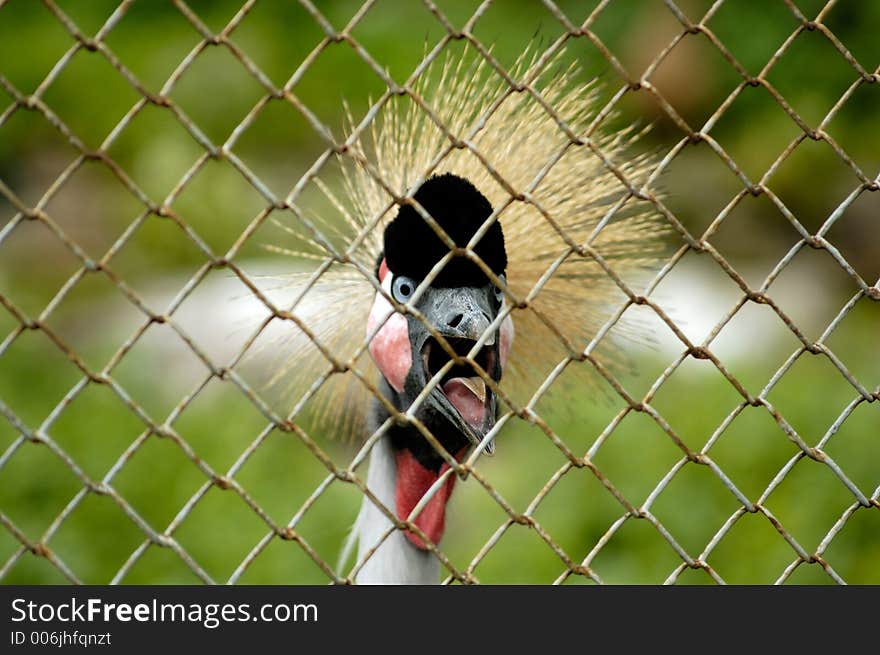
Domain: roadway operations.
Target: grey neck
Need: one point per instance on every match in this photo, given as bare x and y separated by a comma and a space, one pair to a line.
396, 560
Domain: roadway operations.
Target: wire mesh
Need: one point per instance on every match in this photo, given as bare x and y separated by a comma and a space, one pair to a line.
574, 559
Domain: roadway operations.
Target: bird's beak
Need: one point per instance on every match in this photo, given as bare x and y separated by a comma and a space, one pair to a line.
461, 398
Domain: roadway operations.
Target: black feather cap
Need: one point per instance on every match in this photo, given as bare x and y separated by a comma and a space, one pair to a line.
412, 248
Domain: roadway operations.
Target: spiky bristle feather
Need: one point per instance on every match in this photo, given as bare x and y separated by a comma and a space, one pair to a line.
568, 194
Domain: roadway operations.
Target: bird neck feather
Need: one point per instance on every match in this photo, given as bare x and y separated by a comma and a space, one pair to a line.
396, 561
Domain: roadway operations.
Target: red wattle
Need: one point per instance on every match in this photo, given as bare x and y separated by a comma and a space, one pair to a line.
413, 480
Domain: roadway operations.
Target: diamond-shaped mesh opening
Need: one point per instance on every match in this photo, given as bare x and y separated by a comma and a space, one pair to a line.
96, 534
492, 25
698, 166
769, 335
279, 146
807, 418
851, 446
696, 295
90, 70
580, 404
155, 150
791, 77
141, 476
131, 36
489, 520
655, 24
691, 74
709, 505
753, 262
216, 439
95, 429
853, 236
26, 136
817, 276
638, 107
265, 37
517, 546
215, 544
651, 353
159, 347
843, 23
312, 527
768, 28
152, 241
25, 26
858, 324
29, 390
752, 450
846, 125
639, 442
813, 206
809, 501
231, 204
578, 511
400, 51
93, 209
194, 197
518, 490
620, 565
30, 289
277, 475
325, 100
755, 104
216, 92
94, 345
52, 490
751, 550
859, 535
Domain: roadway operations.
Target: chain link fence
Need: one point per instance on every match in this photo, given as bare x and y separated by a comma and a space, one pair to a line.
746, 459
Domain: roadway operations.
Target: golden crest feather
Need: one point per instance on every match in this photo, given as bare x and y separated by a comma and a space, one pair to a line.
568, 204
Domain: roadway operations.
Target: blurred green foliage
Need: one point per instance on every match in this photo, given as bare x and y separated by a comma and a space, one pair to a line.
216, 92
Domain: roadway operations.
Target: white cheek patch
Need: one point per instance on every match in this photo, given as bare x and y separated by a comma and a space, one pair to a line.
506, 340
390, 348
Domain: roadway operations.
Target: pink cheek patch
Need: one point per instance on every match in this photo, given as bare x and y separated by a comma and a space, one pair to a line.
390, 347
506, 340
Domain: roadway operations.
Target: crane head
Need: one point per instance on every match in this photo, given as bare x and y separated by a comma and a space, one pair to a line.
460, 306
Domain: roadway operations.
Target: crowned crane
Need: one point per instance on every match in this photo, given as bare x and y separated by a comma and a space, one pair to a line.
532, 216
461, 304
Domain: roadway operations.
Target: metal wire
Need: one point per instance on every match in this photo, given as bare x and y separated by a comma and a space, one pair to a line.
571, 564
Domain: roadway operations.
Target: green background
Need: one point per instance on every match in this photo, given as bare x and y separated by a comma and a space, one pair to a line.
217, 91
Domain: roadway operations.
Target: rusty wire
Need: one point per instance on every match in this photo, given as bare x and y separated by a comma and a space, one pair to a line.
571, 564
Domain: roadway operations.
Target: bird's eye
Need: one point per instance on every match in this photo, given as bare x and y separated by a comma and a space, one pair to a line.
402, 288
499, 293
